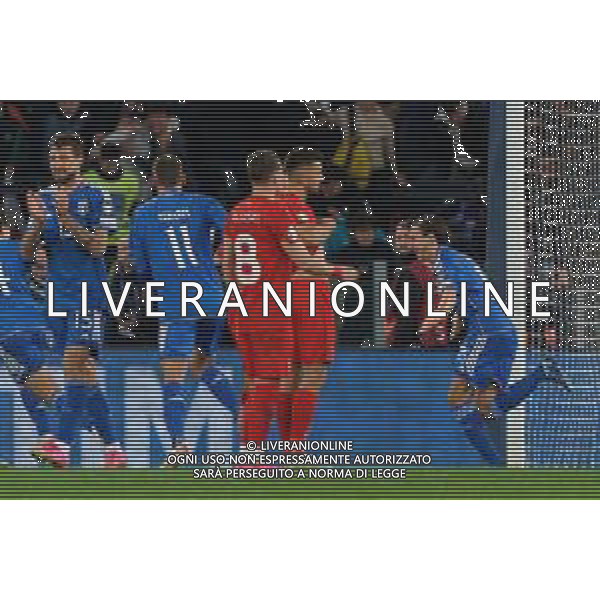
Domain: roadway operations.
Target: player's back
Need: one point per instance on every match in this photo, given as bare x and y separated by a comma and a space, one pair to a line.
18, 309
173, 238
256, 229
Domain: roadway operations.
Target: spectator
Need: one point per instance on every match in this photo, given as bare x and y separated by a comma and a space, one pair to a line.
132, 134
368, 142
163, 126
15, 141
125, 186
365, 247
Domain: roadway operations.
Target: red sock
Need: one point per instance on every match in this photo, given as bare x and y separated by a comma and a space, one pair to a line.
284, 416
303, 410
257, 412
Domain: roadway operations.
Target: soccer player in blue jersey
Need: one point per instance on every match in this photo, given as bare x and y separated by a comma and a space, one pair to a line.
173, 240
480, 389
71, 220
25, 342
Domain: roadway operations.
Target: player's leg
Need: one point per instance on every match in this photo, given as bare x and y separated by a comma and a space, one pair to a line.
40, 391
467, 391
310, 380
176, 345
267, 351
463, 400
25, 357
516, 393
314, 350
259, 405
204, 368
84, 401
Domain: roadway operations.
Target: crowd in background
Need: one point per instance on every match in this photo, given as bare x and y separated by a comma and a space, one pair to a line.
384, 161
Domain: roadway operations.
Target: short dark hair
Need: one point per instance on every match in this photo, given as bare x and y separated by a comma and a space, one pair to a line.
262, 165
432, 225
168, 169
301, 157
110, 151
359, 218
72, 141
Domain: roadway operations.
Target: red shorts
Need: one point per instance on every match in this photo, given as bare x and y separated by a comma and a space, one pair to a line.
314, 337
265, 343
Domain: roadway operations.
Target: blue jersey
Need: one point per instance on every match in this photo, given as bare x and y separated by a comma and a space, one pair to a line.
69, 263
19, 311
452, 268
172, 240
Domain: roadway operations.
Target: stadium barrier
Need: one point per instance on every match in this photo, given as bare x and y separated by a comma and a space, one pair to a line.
383, 401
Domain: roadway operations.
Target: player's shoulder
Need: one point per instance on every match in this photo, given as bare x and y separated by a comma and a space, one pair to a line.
145, 210
201, 202
248, 207
452, 256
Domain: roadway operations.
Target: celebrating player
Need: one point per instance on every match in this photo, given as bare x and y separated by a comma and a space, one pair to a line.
314, 336
71, 219
24, 340
173, 237
262, 245
480, 388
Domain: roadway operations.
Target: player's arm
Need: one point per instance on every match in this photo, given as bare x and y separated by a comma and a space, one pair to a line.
317, 233
315, 264
32, 235
224, 257
445, 303
93, 237
218, 218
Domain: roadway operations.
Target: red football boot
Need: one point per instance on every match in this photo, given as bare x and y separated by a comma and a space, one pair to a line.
115, 457
49, 450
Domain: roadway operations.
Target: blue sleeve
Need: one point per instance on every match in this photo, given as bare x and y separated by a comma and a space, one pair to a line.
219, 216
98, 214
137, 246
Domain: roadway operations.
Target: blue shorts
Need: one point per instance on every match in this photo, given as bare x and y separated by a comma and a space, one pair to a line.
487, 359
180, 337
25, 352
77, 330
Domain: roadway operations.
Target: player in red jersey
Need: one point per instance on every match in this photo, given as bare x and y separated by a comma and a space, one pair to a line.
314, 336
262, 246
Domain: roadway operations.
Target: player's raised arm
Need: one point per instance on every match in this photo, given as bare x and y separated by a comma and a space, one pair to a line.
92, 233
32, 234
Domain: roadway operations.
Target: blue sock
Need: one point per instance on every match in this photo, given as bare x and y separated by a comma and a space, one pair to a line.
37, 411
99, 414
476, 430
220, 386
174, 409
71, 410
520, 390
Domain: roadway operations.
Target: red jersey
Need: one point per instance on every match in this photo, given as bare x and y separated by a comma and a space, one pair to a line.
256, 228
304, 215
